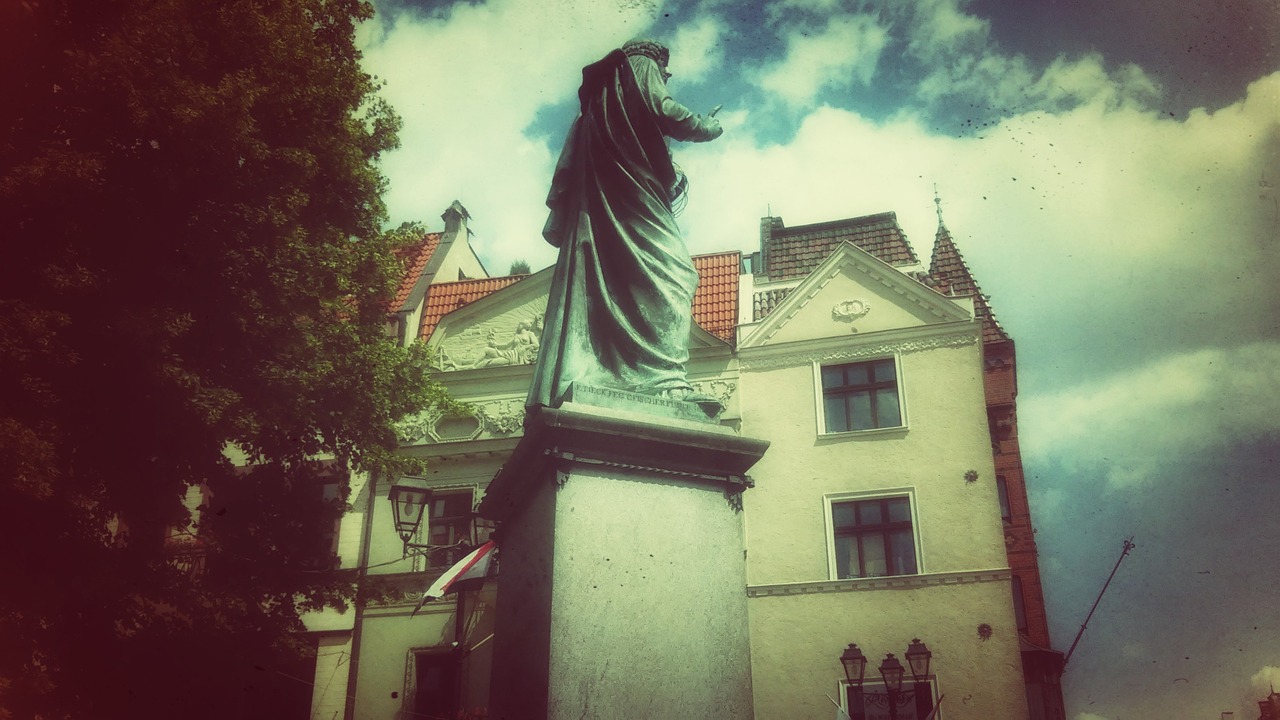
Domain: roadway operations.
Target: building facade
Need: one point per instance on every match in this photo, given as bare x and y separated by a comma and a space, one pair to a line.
890, 507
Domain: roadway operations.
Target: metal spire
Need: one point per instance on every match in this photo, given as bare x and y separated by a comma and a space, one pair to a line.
938, 201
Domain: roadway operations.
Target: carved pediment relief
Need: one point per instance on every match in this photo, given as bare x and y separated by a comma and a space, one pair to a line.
510, 339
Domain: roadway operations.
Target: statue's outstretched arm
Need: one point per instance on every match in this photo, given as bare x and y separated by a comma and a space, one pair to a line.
677, 121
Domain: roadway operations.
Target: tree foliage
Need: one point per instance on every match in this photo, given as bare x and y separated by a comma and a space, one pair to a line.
191, 207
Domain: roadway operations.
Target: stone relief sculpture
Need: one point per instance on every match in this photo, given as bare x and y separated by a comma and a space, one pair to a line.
620, 305
520, 349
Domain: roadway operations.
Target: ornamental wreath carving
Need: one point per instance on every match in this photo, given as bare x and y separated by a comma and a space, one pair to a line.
850, 310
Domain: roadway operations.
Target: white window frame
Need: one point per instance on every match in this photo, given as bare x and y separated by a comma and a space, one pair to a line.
820, 404
879, 494
868, 681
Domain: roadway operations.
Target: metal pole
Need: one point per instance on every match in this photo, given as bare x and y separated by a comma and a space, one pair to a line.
1128, 545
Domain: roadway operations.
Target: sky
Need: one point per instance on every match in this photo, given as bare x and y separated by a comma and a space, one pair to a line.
1109, 171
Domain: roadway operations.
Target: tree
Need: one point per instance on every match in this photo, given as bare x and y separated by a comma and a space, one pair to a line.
519, 267
193, 262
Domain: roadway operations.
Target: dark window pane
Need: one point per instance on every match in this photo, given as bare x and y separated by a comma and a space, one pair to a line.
1002, 486
857, 374
1019, 604
834, 409
842, 515
903, 551
870, 513
860, 410
884, 371
873, 557
436, 686
899, 509
832, 376
887, 412
846, 557
451, 505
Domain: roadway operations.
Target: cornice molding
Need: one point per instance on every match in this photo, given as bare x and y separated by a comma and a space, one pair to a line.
963, 577
892, 342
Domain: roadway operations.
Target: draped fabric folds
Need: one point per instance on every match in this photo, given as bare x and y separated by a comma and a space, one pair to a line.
620, 306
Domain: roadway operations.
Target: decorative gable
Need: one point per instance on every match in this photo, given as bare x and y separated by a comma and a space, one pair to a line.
854, 292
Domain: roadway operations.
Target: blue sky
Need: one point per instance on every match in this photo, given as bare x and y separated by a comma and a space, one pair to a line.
1109, 172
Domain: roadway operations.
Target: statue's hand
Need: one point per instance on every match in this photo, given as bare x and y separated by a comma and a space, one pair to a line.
712, 125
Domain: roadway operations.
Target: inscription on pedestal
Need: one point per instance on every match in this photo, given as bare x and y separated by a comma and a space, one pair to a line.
613, 398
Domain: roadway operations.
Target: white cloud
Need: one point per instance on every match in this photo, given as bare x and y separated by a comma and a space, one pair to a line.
696, 49
937, 28
1143, 421
1265, 680
1009, 81
847, 50
467, 82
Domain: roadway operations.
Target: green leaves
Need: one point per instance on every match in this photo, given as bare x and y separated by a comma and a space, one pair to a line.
194, 262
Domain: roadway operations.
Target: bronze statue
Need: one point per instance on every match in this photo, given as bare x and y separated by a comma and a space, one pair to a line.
621, 298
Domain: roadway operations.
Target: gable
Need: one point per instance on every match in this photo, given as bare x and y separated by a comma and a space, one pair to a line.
496, 322
854, 292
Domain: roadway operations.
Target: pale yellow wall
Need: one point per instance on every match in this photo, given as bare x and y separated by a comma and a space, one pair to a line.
333, 662
458, 255
946, 435
802, 622
389, 637
796, 642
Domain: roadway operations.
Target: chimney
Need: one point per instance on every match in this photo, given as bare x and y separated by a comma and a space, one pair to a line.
455, 220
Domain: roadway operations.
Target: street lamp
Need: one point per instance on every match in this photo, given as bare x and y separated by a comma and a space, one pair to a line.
410, 497
855, 664
891, 671
918, 657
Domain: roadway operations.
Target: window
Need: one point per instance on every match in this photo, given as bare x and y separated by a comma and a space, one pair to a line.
436, 685
873, 537
1019, 605
1002, 486
449, 527
871, 701
861, 396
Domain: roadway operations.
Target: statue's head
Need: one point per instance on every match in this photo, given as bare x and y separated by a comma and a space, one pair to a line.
651, 49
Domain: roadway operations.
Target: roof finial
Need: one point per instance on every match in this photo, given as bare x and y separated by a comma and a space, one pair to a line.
938, 201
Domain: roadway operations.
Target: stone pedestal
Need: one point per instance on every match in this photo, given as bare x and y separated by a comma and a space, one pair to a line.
622, 583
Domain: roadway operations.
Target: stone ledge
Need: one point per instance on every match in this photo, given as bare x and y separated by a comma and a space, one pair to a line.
898, 582
558, 439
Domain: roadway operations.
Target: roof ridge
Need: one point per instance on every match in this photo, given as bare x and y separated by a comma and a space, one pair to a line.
858, 220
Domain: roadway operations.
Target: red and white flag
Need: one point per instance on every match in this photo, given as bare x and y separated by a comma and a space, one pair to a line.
469, 571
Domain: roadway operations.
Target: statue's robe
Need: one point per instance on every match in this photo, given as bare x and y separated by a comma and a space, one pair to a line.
622, 294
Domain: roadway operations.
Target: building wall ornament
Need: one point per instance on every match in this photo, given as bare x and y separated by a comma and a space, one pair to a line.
850, 310
808, 357
495, 418
419, 428
501, 417
492, 346
721, 390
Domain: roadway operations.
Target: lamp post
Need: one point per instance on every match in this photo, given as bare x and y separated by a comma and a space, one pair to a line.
855, 666
891, 672
410, 499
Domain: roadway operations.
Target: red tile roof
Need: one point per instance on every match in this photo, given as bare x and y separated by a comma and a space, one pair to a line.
715, 304
415, 258
444, 298
795, 252
950, 275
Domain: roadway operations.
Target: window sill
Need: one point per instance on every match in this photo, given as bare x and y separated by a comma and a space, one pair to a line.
880, 583
898, 431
